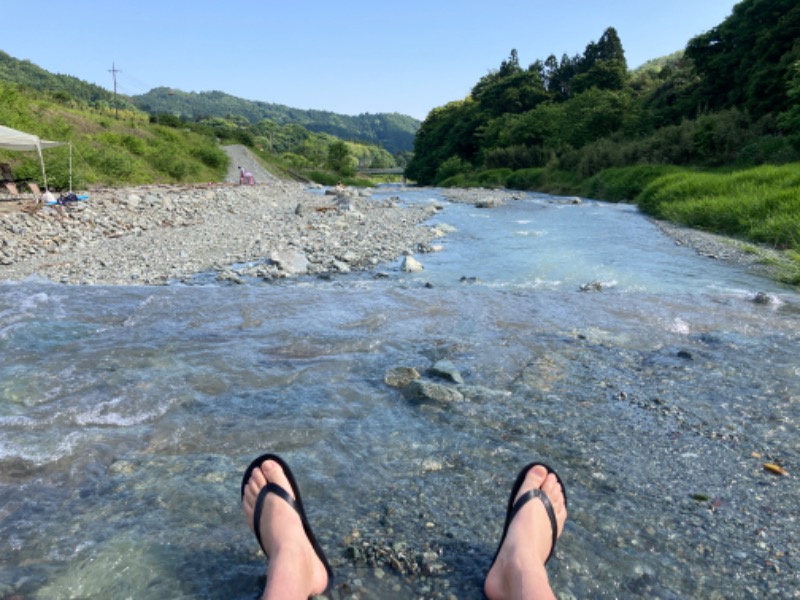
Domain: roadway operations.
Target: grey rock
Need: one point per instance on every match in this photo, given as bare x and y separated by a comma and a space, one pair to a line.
411, 265
446, 370
401, 376
292, 262
422, 390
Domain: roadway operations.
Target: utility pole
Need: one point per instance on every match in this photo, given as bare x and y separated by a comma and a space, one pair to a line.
113, 70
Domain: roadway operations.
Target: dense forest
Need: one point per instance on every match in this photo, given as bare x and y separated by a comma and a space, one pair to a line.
731, 98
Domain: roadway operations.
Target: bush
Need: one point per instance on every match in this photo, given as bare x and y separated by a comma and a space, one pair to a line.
526, 179
623, 184
494, 178
211, 157
451, 167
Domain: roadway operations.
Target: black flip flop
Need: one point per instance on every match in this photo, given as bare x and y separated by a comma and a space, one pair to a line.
514, 507
296, 503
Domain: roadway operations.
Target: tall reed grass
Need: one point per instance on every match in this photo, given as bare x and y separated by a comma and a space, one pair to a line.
761, 204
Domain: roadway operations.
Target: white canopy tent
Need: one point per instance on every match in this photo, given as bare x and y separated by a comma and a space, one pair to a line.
11, 139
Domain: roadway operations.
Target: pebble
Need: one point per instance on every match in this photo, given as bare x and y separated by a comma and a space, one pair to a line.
154, 235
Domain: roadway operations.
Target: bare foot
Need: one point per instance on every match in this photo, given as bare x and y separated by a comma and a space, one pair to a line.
295, 570
518, 570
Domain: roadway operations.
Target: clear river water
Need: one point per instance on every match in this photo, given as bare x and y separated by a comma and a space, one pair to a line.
128, 414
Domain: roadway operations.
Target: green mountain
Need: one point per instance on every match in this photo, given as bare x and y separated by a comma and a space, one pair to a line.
392, 131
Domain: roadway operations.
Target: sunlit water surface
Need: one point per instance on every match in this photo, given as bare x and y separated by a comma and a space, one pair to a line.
127, 415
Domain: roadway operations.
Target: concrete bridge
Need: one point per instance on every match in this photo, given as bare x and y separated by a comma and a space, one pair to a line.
393, 171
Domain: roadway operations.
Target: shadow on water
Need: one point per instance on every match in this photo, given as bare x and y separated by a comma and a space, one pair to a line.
127, 416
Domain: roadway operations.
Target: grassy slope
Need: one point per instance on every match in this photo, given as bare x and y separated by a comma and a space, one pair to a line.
106, 150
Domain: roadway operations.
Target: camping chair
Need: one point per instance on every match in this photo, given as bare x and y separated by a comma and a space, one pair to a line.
11, 187
8, 181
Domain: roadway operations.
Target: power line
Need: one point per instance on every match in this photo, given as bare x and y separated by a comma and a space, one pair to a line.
113, 70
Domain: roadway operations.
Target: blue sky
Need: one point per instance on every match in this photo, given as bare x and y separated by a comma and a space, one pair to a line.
350, 57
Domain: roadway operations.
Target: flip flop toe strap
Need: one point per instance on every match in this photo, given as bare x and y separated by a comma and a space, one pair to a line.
262, 496
548, 506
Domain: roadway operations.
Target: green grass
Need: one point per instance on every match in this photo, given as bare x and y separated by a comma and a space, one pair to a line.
107, 150
623, 184
760, 204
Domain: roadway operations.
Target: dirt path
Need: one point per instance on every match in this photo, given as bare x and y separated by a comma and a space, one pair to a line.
242, 157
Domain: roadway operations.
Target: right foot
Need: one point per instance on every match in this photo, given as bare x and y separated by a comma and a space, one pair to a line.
518, 570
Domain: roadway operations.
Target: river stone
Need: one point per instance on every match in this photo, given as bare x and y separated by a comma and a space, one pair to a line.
446, 370
292, 262
411, 265
488, 203
479, 392
421, 390
400, 376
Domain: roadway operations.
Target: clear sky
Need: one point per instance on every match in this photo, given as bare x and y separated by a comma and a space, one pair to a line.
349, 57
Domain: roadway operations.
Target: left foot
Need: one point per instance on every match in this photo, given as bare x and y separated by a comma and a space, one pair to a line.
295, 570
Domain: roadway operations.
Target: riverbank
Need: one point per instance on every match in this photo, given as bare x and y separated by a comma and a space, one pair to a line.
154, 235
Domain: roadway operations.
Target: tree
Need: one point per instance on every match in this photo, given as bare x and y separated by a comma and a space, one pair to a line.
339, 159
790, 120
744, 61
510, 89
603, 65
447, 131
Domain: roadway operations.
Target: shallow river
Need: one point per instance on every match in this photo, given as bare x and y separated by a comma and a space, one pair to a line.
127, 415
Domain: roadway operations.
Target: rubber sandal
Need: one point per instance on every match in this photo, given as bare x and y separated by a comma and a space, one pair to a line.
514, 507
296, 503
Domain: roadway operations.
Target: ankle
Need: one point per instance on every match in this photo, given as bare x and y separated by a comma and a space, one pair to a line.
519, 574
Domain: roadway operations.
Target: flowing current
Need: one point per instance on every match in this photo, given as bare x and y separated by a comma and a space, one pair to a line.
128, 414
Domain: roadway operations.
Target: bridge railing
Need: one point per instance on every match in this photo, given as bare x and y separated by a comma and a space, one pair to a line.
392, 171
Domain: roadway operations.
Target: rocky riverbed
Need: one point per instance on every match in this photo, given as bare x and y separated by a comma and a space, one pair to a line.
159, 234
153, 235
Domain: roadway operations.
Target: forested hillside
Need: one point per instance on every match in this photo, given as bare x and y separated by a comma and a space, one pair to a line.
392, 131
116, 143
731, 99
64, 88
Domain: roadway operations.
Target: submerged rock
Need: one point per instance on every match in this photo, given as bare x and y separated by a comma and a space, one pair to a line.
446, 370
421, 391
592, 286
401, 376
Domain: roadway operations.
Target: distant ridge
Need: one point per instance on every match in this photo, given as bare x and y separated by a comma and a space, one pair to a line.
393, 131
